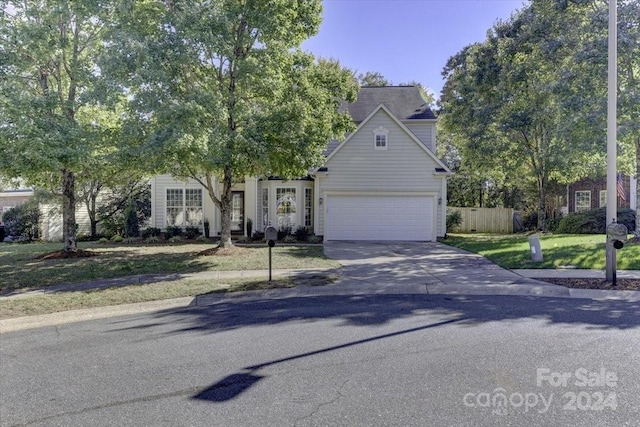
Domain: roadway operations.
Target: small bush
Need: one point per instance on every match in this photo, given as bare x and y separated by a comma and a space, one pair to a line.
553, 223
131, 223
249, 226
289, 239
175, 239
315, 239
22, 221
103, 240
201, 239
192, 232
302, 234
593, 222
454, 219
172, 231
530, 220
257, 236
152, 239
117, 238
207, 230
284, 232
150, 232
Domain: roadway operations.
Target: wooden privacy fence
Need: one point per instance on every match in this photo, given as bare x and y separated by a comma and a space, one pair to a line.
485, 220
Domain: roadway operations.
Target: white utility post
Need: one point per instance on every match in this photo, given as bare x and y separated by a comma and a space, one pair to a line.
612, 119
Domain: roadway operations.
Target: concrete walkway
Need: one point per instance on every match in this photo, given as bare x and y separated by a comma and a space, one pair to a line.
368, 268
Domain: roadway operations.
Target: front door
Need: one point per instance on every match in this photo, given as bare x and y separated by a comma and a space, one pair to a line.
237, 212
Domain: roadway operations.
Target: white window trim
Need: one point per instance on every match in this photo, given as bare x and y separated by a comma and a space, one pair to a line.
602, 202
183, 190
308, 208
582, 209
380, 131
265, 207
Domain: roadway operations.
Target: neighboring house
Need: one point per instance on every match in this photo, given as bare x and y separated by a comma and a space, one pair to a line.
383, 182
51, 218
10, 198
588, 194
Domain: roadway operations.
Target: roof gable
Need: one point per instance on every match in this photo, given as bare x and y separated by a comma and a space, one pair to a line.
382, 107
404, 102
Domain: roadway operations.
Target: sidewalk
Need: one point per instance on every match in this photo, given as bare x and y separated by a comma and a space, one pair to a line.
518, 283
573, 273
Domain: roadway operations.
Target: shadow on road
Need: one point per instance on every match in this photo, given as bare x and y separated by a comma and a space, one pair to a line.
372, 310
377, 309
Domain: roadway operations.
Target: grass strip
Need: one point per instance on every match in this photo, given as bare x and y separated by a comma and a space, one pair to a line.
64, 301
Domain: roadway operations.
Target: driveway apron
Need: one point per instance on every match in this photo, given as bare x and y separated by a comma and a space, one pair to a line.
431, 266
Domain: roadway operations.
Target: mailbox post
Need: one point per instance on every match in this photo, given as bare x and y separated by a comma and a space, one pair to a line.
616, 237
270, 235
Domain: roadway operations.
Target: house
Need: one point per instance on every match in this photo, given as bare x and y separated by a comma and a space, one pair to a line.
383, 182
591, 193
51, 218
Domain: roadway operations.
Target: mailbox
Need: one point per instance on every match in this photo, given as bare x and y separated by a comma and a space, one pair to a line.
270, 234
617, 235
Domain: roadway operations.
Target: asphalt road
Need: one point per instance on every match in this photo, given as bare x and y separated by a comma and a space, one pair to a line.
378, 360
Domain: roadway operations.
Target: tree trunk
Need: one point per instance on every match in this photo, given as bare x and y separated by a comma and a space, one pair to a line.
542, 211
69, 211
638, 187
225, 209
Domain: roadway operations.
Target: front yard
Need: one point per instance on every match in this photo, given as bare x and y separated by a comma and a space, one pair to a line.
583, 251
20, 266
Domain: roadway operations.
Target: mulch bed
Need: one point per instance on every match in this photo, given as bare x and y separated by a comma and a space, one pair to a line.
621, 284
80, 253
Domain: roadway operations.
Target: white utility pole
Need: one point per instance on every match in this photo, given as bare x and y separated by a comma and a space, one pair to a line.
612, 119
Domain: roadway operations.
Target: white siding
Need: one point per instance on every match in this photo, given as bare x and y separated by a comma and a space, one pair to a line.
159, 186
425, 132
404, 167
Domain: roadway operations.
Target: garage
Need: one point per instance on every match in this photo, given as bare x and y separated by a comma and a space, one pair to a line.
379, 217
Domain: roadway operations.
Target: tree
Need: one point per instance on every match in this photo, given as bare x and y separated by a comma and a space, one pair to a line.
530, 99
373, 78
220, 90
47, 79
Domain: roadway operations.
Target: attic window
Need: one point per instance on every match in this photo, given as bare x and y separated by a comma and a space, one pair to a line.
380, 137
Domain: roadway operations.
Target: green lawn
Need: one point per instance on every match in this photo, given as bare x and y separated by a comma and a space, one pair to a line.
585, 251
19, 267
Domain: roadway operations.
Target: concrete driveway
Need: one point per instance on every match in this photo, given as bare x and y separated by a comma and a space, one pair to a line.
429, 267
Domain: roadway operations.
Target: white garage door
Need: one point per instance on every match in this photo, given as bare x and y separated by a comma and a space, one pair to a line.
379, 218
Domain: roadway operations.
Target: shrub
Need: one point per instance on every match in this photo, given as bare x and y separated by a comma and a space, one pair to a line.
206, 228
131, 224
103, 240
175, 239
152, 239
257, 236
315, 239
530, 220
289, 239
150, 232
117, 238
192, 232
172, 231
22, 221
553, 223
454, 219
284, 232
302, 234
594, 222
249, 226
201, 239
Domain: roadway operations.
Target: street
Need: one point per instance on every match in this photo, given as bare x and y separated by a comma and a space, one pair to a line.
342, 360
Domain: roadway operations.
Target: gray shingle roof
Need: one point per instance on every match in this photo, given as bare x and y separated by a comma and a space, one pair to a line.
405, 102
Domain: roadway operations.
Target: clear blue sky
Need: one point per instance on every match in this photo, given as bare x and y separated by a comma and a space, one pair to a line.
404, 40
